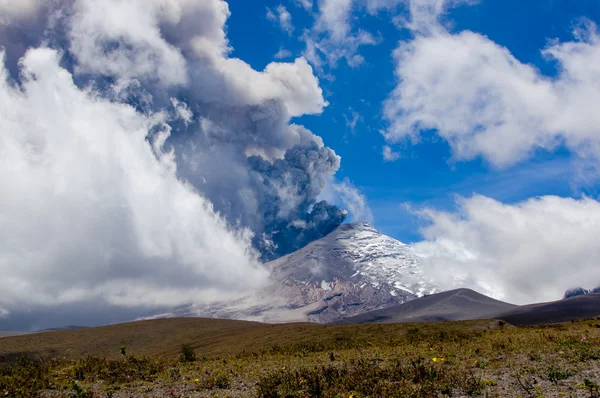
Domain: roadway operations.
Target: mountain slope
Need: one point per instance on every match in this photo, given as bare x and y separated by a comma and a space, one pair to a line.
354, 269
565, 310
454, 305
466, 304
11, 334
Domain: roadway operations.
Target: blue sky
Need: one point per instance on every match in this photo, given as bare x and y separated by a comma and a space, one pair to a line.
424, 175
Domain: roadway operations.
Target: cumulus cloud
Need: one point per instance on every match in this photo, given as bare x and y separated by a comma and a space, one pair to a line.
283, 17
523, 252
484, 102
107, 40
481, 99
148, 168
93, 208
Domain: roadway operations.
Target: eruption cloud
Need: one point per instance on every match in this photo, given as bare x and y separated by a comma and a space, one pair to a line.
142, 166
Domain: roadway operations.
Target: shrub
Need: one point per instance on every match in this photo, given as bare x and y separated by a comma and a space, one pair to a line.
187, 353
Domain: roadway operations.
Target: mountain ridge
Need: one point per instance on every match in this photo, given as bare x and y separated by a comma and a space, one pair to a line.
466, 304
453, 305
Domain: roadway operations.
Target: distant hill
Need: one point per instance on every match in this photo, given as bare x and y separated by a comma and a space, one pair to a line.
466, 304
162, 338
144, 338
9, 334
574, 308
454, 305
70, 327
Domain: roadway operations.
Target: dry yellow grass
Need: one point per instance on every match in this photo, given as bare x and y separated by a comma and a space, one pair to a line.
305, 360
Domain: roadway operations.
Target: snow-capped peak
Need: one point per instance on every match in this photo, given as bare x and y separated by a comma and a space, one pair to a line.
352, 270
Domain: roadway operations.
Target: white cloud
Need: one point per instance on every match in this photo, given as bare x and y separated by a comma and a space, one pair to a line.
476, 95
238, 84
10, 9
349, 197
334, 17
306, 4
333, 36
92, 208
484, 102
181, 41
389, 155
352, 120
283, 17
375, 6
425, 15
283, 53
107, 40
524, 252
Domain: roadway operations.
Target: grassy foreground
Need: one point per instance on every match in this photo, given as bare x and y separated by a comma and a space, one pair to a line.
209, 358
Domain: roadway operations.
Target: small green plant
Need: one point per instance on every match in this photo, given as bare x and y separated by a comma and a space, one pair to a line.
268, 386
216, 380
123, 351
77, 390
187, 353
555, 374
482, 364
474, 386
489, 382
592, 387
